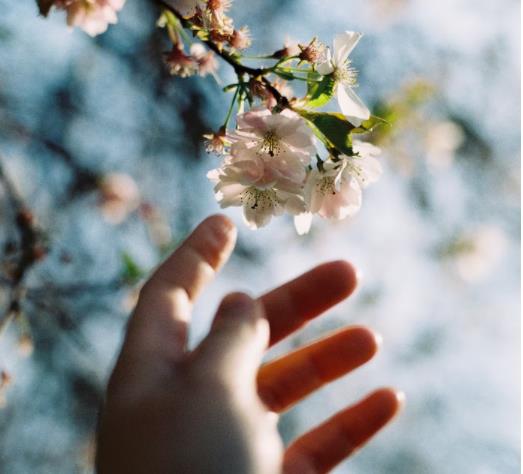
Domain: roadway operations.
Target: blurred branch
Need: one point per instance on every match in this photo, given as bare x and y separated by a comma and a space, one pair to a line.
84, 178
31, 248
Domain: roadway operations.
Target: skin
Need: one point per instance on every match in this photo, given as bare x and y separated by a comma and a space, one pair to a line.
215, 409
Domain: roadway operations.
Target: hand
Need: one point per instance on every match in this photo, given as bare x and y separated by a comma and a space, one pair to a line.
214, 409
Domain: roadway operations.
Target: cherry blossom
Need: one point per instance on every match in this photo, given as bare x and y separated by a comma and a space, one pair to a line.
216, 142
205, 59
338, 65
270, 163
93, 16
283, 135
179, 63
313, 52
241, 38
334, 191
256, 186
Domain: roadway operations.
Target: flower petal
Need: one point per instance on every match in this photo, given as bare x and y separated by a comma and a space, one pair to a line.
351, 105
303, 222
344, 43
230, 195
326, 67
365, 148
256, 217
368, 170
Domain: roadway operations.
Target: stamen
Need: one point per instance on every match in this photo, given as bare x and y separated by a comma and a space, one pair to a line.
270, 144
259, 198
357, 170
346, 74
326, 185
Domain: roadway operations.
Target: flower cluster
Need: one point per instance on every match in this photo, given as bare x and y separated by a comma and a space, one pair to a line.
268, 169
283, 155
271, 159
209, 18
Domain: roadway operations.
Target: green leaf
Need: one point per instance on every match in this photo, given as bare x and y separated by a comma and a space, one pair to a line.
334, 129
370, 124
131, 272
44, 6
320, 92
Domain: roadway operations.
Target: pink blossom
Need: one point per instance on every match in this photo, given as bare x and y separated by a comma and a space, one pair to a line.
205, 59
240, 39
119, 196
266, 168
179, 63
284, 136
335, 190
256, 186
93, 16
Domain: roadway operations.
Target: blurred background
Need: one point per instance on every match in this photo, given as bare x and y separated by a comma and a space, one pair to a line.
103, 172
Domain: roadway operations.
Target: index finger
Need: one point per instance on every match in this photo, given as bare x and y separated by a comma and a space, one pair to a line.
160, 321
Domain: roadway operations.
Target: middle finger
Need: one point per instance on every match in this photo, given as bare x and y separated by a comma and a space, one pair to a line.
286, 380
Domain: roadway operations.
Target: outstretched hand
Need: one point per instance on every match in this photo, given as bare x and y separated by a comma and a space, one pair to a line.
214, 409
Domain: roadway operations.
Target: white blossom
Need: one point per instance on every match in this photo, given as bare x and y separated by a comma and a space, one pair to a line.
338, 64
256, 186
266, 169
334, 191
284, 136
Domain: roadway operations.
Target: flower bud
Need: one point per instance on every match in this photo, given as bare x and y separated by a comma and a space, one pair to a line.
240, 39
119, 196
25, 345
215, 142
289, 49
206, 60
179, 63
313, 52
257, 89
219, 6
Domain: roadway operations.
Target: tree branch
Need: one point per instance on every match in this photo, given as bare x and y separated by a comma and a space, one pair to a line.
238, 67
31, 249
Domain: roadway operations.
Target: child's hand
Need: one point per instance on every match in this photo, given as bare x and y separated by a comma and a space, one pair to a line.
214, 409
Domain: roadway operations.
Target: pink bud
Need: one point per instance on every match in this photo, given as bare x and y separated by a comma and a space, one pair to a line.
240, 39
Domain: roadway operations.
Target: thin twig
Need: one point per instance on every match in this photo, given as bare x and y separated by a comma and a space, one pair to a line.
239, 68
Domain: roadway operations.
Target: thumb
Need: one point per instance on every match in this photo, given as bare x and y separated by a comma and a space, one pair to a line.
238, 338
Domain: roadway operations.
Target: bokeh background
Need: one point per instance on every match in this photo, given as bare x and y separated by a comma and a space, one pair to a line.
83, 121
